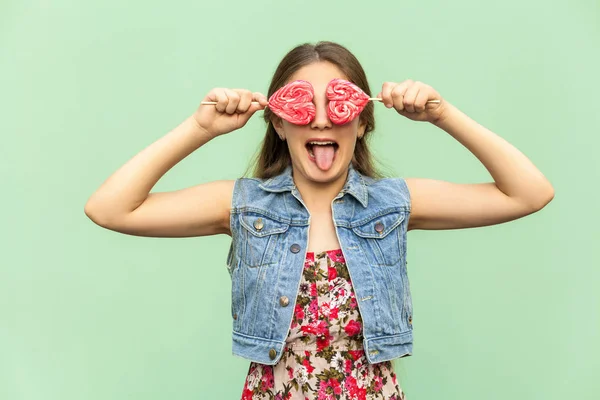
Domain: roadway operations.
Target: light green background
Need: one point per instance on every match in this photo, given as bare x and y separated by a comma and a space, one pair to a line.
504, 312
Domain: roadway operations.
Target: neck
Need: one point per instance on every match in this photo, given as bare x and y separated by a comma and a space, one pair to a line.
317, 196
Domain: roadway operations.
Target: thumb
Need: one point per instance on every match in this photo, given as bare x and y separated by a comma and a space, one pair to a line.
259, 102
243, 118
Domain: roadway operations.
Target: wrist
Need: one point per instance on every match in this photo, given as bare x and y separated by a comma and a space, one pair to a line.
446, 115
200, 130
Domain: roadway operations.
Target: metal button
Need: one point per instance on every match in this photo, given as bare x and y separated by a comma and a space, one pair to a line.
272, 354
410, 319
295, 248
234, 316
258, 224
284, 301
379, 227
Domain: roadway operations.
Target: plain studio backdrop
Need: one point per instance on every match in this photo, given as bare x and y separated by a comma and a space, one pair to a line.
508, 311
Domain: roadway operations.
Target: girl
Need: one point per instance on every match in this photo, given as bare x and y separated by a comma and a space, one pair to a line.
321, 302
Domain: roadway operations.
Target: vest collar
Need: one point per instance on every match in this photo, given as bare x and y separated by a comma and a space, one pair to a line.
355, 184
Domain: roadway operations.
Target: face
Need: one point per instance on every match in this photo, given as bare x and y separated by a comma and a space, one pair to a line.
329, 160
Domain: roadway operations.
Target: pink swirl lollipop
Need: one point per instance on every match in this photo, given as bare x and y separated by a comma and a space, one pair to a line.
293, 102
346, 101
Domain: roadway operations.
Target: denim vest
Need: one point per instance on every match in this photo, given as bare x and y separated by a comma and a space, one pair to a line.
269, 227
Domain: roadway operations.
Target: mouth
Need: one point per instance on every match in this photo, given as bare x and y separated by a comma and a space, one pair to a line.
322, 152
311, 144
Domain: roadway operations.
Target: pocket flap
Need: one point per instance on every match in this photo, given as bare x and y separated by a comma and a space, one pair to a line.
379, 226
260, 225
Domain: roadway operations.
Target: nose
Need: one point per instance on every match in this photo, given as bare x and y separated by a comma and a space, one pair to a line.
321, 120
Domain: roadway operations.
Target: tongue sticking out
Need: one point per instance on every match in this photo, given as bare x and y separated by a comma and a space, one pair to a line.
323, 156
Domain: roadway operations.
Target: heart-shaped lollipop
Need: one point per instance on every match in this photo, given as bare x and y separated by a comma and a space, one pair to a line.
346, 101
293, 102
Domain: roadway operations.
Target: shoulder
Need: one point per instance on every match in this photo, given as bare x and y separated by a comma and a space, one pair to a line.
391, 190
250, 192
245, 184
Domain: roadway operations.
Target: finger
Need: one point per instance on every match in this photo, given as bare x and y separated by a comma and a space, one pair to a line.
398, 94
255, 105
245, 100
386, 93
410, 96
258, 101
234, 100
421, 100
261, 98
221, 98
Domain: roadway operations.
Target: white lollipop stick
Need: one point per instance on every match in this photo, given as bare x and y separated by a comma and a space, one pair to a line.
208, 103
379, 99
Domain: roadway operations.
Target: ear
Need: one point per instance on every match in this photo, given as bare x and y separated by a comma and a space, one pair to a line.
362, 126
278, 125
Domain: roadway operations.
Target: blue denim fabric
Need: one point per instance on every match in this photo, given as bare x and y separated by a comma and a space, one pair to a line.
269, 226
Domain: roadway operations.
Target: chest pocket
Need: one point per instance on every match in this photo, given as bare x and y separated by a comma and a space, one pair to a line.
382, 237
260, 235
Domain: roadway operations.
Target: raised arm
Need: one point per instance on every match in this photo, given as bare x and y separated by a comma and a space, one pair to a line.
519, 188
123, 203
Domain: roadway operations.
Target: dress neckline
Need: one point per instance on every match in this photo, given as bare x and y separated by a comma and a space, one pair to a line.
323, 251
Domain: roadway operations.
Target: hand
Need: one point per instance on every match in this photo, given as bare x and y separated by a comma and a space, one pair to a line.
410, 98
233, 109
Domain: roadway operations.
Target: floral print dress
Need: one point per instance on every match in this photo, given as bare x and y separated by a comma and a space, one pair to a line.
323, 357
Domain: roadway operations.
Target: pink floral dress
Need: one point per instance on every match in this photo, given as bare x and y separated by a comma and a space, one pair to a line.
323, 357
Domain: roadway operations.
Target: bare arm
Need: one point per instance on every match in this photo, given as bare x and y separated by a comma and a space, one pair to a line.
123, 203
519, 188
